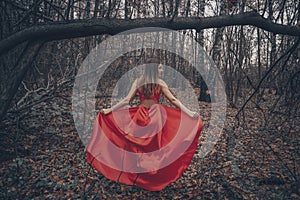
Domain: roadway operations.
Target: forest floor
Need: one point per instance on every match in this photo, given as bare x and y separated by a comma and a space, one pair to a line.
42, 157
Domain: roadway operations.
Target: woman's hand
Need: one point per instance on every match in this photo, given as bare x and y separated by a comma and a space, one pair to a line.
193, 114
105, 111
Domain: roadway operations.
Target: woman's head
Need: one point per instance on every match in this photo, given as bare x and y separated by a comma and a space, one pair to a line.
151, 72
149, 80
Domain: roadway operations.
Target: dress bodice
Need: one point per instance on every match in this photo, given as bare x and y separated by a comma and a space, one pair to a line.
155, 96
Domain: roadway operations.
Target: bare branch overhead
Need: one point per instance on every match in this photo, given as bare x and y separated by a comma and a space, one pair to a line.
81, 28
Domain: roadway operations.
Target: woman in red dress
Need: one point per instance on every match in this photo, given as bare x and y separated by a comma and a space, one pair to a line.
149, 145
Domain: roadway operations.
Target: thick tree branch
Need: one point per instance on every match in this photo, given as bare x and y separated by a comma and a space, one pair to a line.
81, 28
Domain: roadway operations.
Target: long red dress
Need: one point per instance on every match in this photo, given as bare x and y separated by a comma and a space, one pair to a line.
146, 147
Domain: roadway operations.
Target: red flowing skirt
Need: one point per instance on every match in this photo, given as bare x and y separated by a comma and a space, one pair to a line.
146, 147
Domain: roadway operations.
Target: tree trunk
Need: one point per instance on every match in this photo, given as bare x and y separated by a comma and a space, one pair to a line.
9, 86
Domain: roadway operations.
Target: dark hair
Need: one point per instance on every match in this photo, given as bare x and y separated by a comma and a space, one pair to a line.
148, 81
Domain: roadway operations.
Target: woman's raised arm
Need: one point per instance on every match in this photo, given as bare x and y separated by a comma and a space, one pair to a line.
124, 101
175, 101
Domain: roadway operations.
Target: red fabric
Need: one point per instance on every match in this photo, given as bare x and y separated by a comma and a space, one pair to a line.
144, 131
154, 97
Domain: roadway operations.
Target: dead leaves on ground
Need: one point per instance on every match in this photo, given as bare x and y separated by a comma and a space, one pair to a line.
47, 161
